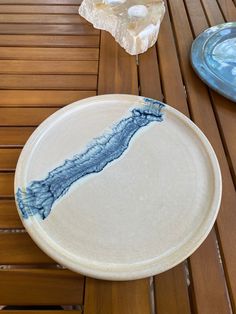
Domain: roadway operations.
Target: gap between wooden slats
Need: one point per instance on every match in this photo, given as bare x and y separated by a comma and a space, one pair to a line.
67, 82
41, 18
228, 9
49, 41
39, 9
48, 67
29, 53
227, 216
41, 98
56, 29
40, 287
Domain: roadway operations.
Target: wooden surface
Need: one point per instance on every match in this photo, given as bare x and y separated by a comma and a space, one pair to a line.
49, 57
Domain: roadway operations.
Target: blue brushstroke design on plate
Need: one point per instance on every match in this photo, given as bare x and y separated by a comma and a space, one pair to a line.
39, 196
213, 57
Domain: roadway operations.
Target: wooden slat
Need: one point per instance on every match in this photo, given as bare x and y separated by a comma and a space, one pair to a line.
9, 217
45, 9
6, 184
105, 297
149, 72
213, 12
48, 67
20, 53
172, 83
68, 82
108, 296
198, 19
56, 29
120, 66
45, 98
19, 248
40, 287
41, 18
227, 216
9, 157
49, 41
226, 113
229, 10
204, 270
171, 291
14, 136
24, 116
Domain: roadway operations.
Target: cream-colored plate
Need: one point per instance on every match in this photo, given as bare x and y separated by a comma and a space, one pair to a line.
139, 192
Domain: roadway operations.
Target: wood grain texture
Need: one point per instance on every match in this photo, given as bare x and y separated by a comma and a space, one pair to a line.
40, 287
39, 9
19, 248
110, 297
32, 53
226, 112
48, 67
41, 98
213, 12
41, 18
56, 29
49, 41
229, 9
149, 72
227, 216
9, 218
8, 158
171, 76
198, 19
171, 292
207, 274
117, 70
14, 136
24, 116
67, 82
6, 184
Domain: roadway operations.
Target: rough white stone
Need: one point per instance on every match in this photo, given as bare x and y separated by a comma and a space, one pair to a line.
133, 23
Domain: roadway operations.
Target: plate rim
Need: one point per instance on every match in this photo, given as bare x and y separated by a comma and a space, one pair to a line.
135, 270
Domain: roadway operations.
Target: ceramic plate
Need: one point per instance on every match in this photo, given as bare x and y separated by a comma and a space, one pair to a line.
118, 187
213, 57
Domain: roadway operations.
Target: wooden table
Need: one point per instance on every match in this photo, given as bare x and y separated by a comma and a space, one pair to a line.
49, 57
